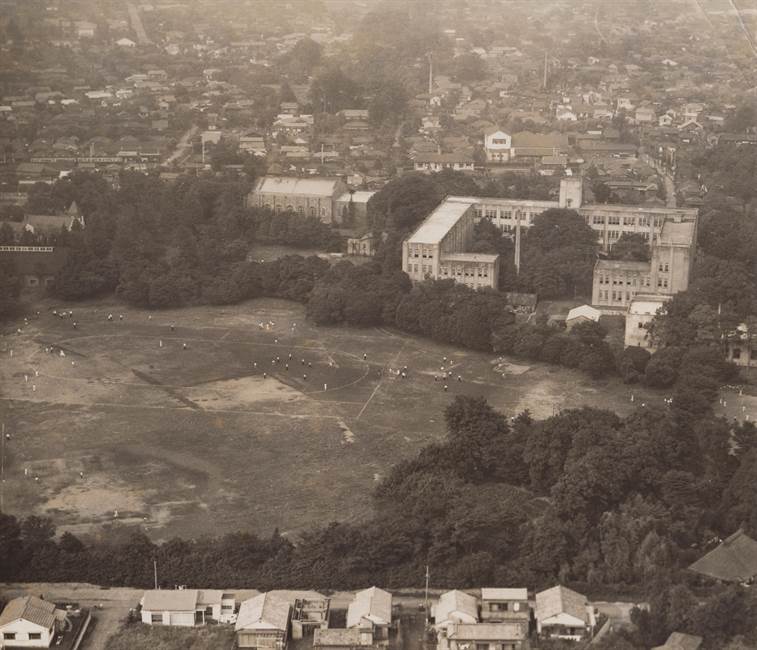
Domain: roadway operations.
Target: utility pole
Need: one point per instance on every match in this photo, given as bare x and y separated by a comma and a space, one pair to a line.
544, 82
2, 467
155, 571
430, 73
426, 604
517, 242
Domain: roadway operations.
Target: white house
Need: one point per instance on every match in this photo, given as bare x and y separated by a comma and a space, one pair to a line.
582, 314
436, 162
497, 145
453, 607
262, 622
499, 605
371, 612
125, 42
182, 607
489, 636
29, 622
562, 613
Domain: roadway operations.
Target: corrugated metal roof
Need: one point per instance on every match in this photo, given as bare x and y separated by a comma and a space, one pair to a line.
586, 311
29, 608
373, 604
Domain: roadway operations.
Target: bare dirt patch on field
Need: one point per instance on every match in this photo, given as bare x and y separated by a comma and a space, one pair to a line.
221, 435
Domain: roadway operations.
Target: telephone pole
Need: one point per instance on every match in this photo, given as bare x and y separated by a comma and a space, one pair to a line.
426, 603
155, 571
2, 467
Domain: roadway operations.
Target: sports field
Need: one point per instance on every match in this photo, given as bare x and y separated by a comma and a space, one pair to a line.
131, 427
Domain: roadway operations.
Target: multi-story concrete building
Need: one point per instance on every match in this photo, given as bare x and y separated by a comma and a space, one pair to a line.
312, 196
436, 250
616, 282
641, 310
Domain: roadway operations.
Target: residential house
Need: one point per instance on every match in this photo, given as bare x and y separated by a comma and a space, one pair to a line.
354, 114
645, 115
371, 613
312, 196
125, 42
263, 622
85, 29
526, 144
563, 614
502, 605
733, 560
309, 614
489, 636
497, 145
363, 246
582, 314
436, 162
53, 224
181, 607
29, 622
681, 641
453, 607
253, 143
739, 346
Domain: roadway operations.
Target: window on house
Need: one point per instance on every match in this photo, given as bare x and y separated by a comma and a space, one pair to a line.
156, 618
516, 607
491, 213
9, 636
300, 210
482, 646
614, 221
665, 283
667, 268
312, 212
35, 636
598, 219
629, 221
736, 354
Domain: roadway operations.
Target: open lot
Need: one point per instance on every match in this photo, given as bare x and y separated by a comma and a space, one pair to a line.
201, 441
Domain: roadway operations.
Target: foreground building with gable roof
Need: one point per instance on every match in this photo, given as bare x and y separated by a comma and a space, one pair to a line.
263, 622
29, 622
371, 612
183, 607
562, 613
733, 560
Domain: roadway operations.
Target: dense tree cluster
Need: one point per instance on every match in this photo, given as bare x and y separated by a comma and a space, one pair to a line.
166, 245
583, 497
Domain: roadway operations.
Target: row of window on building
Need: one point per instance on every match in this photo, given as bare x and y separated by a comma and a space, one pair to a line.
464, 271
312, 211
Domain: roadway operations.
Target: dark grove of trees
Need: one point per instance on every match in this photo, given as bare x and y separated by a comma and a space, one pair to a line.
583, 497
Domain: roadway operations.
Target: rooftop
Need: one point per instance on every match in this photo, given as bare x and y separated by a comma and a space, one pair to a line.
677, 234
336, 637
455, 601
559, 600
263, 612
318, 186
488, 631
489, 593
373, 604
29, 608
480, 258
734, 560
170, 600
441, 220
622, 265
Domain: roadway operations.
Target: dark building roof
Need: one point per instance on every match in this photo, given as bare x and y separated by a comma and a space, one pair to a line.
734, 560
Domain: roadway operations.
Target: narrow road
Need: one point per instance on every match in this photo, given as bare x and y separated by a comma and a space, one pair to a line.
181, 146
136, 23
670, 191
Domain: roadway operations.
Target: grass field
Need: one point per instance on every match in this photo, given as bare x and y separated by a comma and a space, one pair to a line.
199, 441
137, 635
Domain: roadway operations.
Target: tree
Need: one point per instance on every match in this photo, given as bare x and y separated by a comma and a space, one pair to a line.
403, 202
469, 68
602, 192
10, 288
631, 247
332, 90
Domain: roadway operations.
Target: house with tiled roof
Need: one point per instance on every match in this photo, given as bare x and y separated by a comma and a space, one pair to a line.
681, 641
263, 622
371, 613
562, 613
733, 560
29, 622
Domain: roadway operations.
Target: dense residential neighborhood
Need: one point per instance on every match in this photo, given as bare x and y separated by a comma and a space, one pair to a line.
372, 324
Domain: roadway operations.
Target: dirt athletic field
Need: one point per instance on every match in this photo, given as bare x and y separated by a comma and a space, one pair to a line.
200, 441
